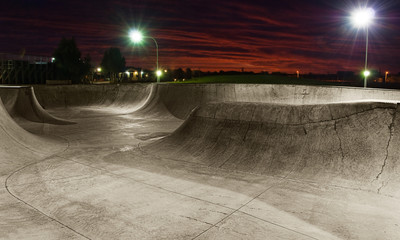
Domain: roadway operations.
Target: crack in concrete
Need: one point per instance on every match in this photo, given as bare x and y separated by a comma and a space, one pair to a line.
382, 186
391, 128
338, 136
30, 205
330, 111
249, 125
340, 142
197, 220
301, 124
247, 131
305, 130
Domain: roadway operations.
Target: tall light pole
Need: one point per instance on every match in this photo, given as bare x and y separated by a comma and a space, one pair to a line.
137, 37
362, 18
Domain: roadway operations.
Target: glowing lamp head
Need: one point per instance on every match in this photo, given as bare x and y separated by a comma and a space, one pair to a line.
362, 17
99, 69
135, 36
158, 73
367, 73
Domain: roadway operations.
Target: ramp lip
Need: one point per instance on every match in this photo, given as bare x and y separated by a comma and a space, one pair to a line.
14, 87
286, 114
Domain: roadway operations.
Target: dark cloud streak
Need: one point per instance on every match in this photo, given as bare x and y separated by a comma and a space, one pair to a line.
285, 35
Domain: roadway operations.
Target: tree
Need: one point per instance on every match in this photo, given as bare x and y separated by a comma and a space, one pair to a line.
197, 73
68, 62
188, 73
179, 74
113, 62
86, 66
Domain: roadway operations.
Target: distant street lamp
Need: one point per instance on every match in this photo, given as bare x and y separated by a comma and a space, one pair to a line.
386, 75
362, 18
137, 37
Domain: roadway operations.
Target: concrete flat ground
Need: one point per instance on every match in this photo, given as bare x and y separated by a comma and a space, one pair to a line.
147, 174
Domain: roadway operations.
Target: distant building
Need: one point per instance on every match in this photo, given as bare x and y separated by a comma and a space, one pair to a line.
133, 74
17, 69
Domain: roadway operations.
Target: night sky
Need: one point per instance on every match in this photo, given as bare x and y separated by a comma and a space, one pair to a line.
279, 35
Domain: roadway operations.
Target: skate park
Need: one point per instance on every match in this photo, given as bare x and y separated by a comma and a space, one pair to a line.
199, 161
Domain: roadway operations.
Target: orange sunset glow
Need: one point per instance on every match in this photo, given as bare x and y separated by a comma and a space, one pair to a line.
313, 36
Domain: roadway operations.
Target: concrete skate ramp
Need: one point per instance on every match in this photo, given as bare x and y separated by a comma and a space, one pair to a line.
21, 102
143, 99
352, 145
343, 136
286, 162
15, 143
180, 99
130, 97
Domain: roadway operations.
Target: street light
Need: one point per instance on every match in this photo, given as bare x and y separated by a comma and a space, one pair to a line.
137, 37
362, 18
386, 75
158, 73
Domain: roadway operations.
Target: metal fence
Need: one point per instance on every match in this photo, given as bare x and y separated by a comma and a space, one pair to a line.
25, 69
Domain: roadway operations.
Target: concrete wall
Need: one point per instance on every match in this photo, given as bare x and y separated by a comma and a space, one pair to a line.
181, 99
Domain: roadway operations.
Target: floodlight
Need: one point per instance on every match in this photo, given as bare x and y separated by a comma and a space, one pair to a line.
362, 17
135, 36
158, 73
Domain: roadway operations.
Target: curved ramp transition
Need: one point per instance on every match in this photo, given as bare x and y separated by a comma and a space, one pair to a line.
17, 146
21, 102
351, 145
250, 162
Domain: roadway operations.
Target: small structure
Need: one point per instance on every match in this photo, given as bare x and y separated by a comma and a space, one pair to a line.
133, 74
21, 69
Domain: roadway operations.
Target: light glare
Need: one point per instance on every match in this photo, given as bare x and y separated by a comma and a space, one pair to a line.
158, 73
362, 17
367, 73
135, 36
